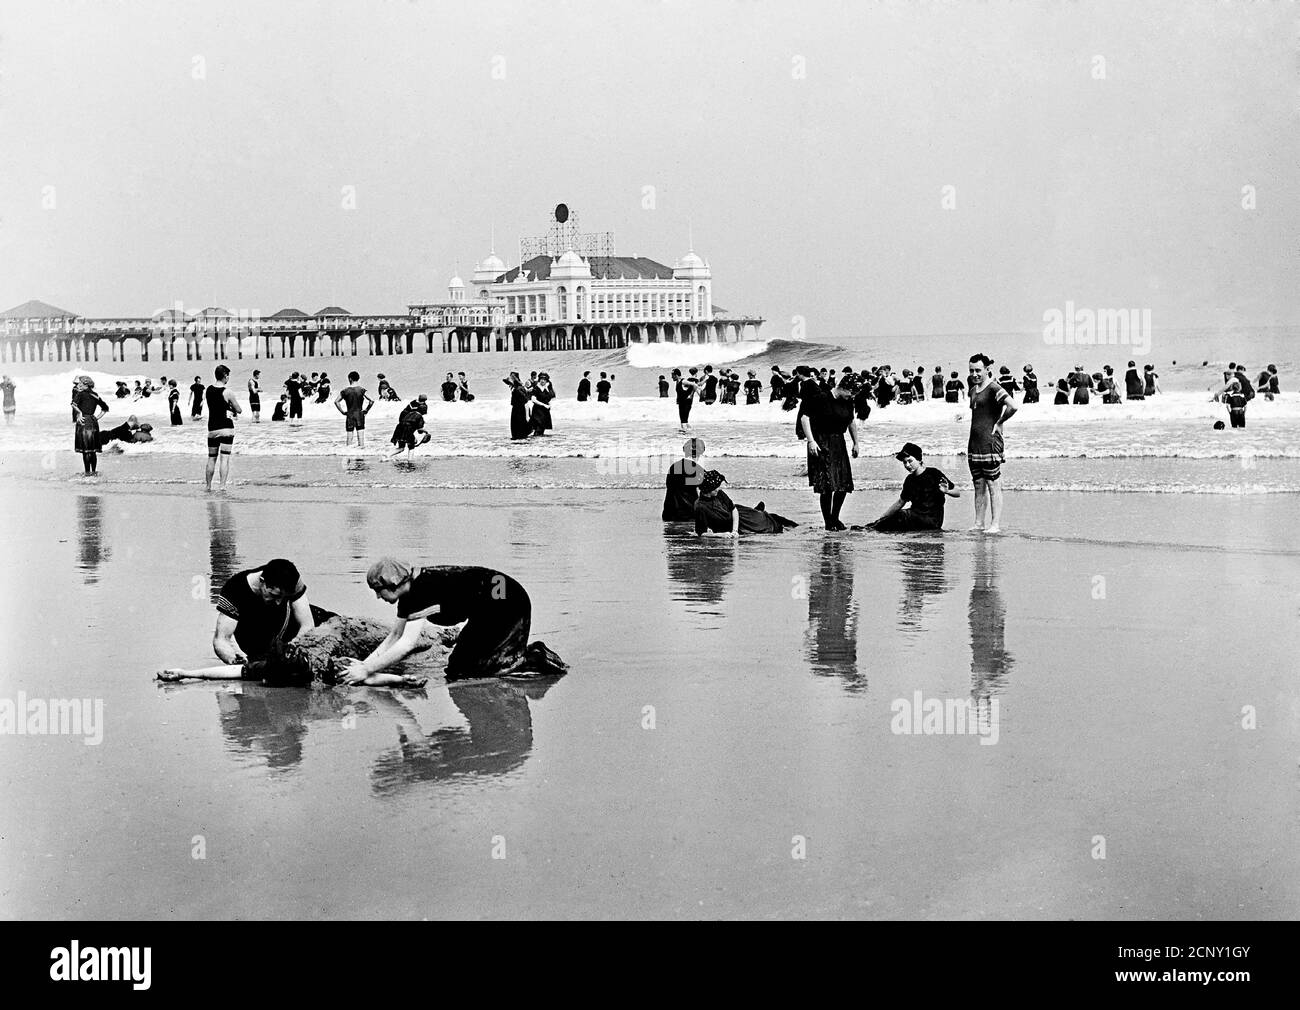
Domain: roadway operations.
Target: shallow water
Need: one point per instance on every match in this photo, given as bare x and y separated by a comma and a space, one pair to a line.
771, 666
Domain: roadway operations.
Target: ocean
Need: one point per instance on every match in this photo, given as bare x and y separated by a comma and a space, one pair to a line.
1165, 444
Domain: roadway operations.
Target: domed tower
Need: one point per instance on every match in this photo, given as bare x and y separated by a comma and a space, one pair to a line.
492, 267
571, 276
691, 268
456, 289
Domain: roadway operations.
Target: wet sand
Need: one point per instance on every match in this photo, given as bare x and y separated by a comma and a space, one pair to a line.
771, 666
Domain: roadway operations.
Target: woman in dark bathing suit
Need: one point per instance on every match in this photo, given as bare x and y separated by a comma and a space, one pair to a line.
174, 401
86, 408
830, 473
543, 393
715, 512
519, 397
495, 608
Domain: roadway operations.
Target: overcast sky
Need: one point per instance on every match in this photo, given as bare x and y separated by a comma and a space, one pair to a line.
199, 151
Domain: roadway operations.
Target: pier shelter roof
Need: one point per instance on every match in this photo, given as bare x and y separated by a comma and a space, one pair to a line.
35, 309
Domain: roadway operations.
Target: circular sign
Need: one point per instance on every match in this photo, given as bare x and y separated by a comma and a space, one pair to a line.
561, 213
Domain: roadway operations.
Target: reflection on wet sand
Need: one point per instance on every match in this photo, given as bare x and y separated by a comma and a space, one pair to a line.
357, 519
990, 662
498, 740
921, 565
92, 549
223, 545
699, 569
832, 636
272, 723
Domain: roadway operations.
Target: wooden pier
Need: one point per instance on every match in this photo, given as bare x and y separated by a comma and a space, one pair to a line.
35, 331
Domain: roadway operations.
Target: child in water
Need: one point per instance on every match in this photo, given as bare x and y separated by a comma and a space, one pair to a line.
278, 414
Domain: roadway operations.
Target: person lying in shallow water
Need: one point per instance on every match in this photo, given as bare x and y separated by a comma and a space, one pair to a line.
715, 512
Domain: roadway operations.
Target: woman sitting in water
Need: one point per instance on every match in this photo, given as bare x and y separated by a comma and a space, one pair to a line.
717, 513
495, 608
386, 391
682, 483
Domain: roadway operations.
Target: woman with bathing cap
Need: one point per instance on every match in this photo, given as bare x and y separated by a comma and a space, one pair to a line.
495, 608
715, 512
87, 409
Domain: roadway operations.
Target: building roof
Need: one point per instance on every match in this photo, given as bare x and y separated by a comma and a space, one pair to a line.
602, 268
37, 310
213, 310
289, 314
172, 315
333, 310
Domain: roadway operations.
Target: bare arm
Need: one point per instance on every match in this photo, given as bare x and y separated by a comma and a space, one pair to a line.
891, 510
235, 408
400, 643
302, 614
338, 403
223, 640
853, 432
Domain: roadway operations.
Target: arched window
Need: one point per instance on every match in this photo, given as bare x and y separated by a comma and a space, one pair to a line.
700, 302
561, 302
581, 299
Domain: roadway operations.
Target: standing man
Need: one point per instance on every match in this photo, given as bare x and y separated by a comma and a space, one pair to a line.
354, 404
990, 407
255, 396
584, 387
7, 386
223, 408
196, 396
294, 386
602, 389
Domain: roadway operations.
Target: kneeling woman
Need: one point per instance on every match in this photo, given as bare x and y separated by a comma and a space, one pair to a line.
495, 608
715, 512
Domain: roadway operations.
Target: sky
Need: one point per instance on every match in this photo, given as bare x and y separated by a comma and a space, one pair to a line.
1097, 153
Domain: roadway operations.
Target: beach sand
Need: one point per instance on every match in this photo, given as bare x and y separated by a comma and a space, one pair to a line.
770, 665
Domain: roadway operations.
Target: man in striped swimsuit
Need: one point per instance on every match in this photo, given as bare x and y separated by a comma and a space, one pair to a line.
990, 407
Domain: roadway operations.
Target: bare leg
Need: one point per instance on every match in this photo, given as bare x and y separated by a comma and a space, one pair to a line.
211, 469
225, 466
995, 505
981, 502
